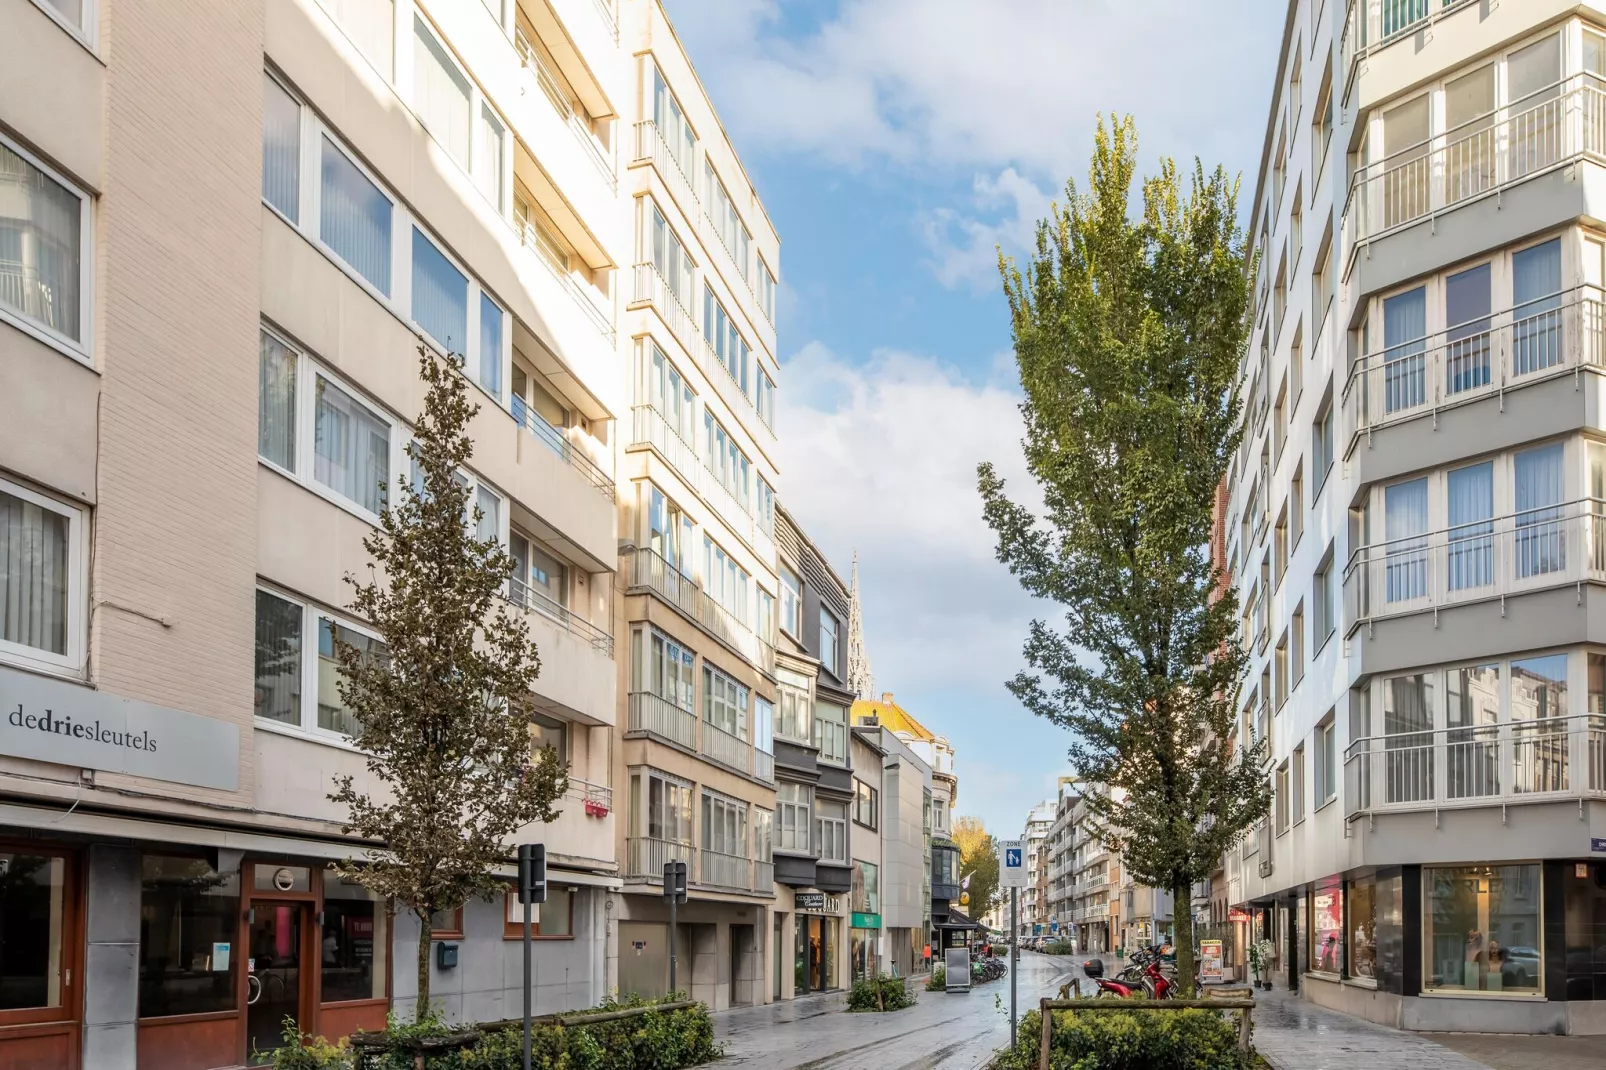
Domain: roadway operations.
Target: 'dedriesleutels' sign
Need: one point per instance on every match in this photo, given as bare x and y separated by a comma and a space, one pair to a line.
52, 720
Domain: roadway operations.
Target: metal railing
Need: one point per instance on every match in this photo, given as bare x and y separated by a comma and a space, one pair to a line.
650, 427
1372, 25
1476, 765
560, 443
591, 794
649, 569
524, 596
552, 88
645, 857
24, 288
530, 237
763, 877
725, 748
1507, 349
655, 714
725, 870
609, 11
1552, 546
652, 146
764, 765
653, 289
1513, 144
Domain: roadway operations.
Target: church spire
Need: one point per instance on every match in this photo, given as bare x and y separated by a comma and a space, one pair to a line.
860, 682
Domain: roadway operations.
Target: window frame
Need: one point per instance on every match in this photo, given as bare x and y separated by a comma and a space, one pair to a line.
806, 809
307, 726
514, 930
1326, 787
864, 795
833, 664
73, 926
83, 349
454, 931
1323, 597
791, 591
71, 661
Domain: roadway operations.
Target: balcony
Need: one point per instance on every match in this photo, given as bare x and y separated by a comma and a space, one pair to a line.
649, 570
649, 428
564, 445
524, 596
725, 871
597, 799
1373, 25
651, 147
726, 749
533, 237
1508, 350
1555, 546
1511, 762
645, 857
552, 89
654, 290
1547, 130
733, 394
657, 716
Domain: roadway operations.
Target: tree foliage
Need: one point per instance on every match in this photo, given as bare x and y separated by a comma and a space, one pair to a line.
444, 709
1128, 335
978, 861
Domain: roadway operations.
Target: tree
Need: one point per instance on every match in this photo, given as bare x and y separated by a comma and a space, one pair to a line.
978, 861
444, 708
1128, 335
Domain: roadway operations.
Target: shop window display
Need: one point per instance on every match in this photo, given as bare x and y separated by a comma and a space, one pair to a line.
189, 921
1327, 927
1481, 929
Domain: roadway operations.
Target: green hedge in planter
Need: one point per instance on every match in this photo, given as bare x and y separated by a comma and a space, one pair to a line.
1113, 1040
883, 992
938, 980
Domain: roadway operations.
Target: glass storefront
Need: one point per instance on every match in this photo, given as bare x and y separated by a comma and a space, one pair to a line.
189, 922
815, 964
1327, 927
865, 961
32, 919
1363, 928
354, 943
1480, 929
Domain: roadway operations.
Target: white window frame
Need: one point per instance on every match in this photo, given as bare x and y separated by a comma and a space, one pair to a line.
838, 826
72, 661
88, 34
803, 817
830, 734
791, 622
81, 349
311, 614
833, 664
1326, 739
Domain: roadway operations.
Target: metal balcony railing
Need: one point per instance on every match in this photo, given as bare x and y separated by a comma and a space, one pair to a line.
653, 147
1556, 334
1372, 25
533, 237
1557, 545
561, 443
763, 765
648, 569
725, 748
609, 11
645, 857
650, 427
1511, 761
725, 871
1545, 130
653, 289
552, 89
524, 596
593, 795
764, 877
655, 714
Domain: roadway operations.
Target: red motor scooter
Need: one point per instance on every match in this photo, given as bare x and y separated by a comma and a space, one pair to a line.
1143, 976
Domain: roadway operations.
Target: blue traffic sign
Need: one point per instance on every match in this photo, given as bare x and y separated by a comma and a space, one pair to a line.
1012, 858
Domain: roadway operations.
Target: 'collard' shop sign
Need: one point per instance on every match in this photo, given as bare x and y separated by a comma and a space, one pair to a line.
69, 724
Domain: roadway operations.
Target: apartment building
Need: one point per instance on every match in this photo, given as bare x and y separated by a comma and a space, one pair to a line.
1061, 848
698, 584
1413, 524
902, 816
1034, 897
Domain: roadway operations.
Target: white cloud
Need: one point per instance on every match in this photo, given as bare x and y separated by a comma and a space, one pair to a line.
965, 248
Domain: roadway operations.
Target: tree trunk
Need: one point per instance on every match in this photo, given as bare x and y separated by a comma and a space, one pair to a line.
424, 941
1182, 915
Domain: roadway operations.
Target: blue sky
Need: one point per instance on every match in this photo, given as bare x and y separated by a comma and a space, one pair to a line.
895, 144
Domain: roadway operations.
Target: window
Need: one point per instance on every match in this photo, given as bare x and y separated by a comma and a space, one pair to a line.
866, 804
552, 920
763, 835
669, 257
281, 148
727, 222
1282, 798
355, 941
1322, 279
725, 833
831, 831
446, 924
41, 586
440, 296
1323, 597
831, 732
793, 817
791, 603
1321, 127
796, 719
1468, 299
333, 713
370, 25
189, 957
1405, 508
550, 732
1538, 724
1296, 506
724, 340
1280, 548
670, 394
351, 447
668, 807
1326, 761
1327, 927
766, 399
354, 218
1296, 646
1539, 487
726, 582
766, 291
44, 251
540, 581
440, 93
1536, 296
1280, 660
488, 161
667, 671
1296, 785
866, 888
726, 461
1480, 929
724, 703
764, 737
1296, 370
276, 403
278, 658
766, 507
35, 904
1321, 447
669, 532
828, 641
672, 125
1469, 104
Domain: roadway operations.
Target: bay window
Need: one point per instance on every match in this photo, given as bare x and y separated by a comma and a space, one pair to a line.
666, 671
724, 703
795, 721
829, 652
45, 259
831, 831
791, 602
41, 578
793, 817
831, 732
1480, 929
724, 826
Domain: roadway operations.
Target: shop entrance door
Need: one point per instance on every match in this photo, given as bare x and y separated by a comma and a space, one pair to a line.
275, 988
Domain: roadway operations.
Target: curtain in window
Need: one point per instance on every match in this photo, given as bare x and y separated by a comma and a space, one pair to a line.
41, 226
351, 448
281, 148
1540, 541
276, 403
1536, 289
34, 566
440, 296
354, 218
1466, 309
1405, 326
278, 659
440, 93
1471, 515
490, 346
488, 168
1406, 512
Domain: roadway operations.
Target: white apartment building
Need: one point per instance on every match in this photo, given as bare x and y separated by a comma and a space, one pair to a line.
1034, 897
1413, 524
224, 231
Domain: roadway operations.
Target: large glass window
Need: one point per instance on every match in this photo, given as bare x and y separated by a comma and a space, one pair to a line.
1540, 546
1467, 304
333, 713
725, 827
719, 327
354, 218
724, 703
1471, 535
1408, 730
669, 257
672, 125
1363, 928
1406, 521
41, 247
795, 720
831, 732
440, 93
1480, 929
1327, 927
355, 941
440, 296
793, 816
1539, 739
188, 955
276, 403
668, 672
351, 448
831, 831
36, 580
1536, 342
278, 659
281, 148
1405, 325
1471, 712
33, 911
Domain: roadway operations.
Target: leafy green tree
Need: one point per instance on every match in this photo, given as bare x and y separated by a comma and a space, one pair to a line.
978, 862
444, 710
1128, 334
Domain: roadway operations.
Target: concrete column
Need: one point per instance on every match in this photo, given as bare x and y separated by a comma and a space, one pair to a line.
111, 958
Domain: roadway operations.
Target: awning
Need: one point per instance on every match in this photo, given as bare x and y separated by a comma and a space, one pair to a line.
957, 920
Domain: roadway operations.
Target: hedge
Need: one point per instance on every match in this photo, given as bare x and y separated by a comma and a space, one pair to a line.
1112, 1040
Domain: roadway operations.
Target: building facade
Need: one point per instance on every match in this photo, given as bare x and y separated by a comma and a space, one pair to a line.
1412, 522
902, 817
1034, 897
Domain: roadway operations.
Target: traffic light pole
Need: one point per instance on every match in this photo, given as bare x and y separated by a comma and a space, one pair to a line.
532, 889
671, 949
1014, 961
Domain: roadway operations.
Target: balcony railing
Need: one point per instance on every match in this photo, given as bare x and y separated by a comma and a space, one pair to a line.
1553, 546
1478, 765
653, 289
531, 237
560, 443
598, 798
524, 596
649, 427
649, 569
1372, 25
609, 11
645, 857
725, 748
652, 146
1550, 336
552, 88
1545, 130
725, 871
657, 715
763, 765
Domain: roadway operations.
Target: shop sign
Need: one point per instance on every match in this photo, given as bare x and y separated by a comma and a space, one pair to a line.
865, 921
1597, 845
69, 724
1237, 914
1210, 961
814, 901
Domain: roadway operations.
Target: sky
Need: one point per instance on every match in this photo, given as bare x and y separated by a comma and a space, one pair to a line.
896, 145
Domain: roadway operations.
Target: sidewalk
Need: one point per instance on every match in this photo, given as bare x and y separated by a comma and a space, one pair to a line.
1295, 1035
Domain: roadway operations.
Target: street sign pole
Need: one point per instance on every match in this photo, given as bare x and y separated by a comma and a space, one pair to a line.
675, 894
1012, 875
532, 889
1014, 961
